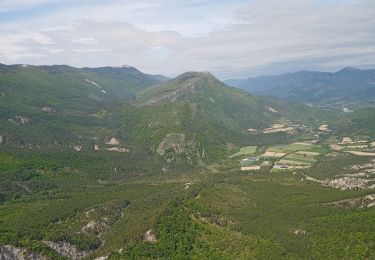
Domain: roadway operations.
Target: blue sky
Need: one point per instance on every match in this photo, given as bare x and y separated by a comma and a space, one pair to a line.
229, 38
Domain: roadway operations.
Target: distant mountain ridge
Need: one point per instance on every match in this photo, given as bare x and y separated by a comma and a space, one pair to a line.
348, 86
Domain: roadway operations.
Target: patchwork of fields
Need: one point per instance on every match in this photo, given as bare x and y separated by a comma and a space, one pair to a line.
297, 155
308, 156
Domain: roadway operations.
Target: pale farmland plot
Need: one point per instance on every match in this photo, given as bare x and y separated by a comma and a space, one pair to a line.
323, 128
361, 153
273, 154
250, 168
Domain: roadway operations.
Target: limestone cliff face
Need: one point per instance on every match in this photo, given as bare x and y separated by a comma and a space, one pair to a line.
16, 253
175, 144
68, 250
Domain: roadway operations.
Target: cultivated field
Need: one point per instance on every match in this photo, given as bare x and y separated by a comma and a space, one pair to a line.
248, 150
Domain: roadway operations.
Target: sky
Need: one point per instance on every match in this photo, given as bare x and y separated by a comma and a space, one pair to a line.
232, 39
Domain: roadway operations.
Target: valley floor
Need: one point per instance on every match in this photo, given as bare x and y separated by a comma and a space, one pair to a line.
57, 206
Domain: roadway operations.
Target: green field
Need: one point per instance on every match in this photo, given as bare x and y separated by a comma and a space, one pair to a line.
290, 148
248, 150
300, 158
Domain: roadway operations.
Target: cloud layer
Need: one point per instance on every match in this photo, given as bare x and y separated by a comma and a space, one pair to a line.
229, 38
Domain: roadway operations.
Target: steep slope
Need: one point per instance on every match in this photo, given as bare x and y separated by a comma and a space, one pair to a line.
197, 115
346, 87
50, 105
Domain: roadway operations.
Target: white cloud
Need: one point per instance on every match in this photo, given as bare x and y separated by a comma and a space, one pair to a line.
91, 50
18, 46
84, 41
11, 5
229, 38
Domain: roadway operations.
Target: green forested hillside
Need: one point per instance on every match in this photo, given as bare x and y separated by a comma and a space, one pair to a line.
58, 106
99, 164
360, 122
104, 205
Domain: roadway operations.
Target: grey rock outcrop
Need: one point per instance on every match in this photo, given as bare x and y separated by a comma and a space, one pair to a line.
17, 253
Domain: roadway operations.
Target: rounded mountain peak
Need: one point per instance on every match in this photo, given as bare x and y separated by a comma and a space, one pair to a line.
196, 74
184, 87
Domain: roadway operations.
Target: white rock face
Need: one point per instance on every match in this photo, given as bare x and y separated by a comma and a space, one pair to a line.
272, 110
113, 141
67, 250
88, 226
16, 253
299, 232
93, 83
117, 149
177, 142
49, 109
77, 147
19, 120
348, 183
150, 237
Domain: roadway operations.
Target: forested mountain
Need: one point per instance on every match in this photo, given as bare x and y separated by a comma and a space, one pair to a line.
347, 87
203, 115
55, 106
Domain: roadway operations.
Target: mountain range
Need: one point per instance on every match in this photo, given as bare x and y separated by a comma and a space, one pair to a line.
348, 87
194, 115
